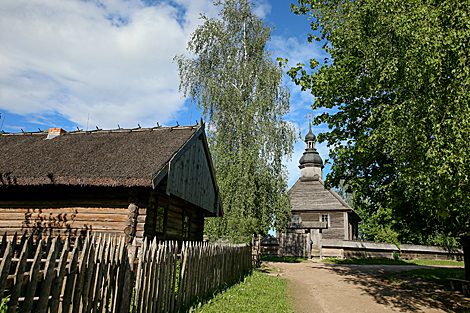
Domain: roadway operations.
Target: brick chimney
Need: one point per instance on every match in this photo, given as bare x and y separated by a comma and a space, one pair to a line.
54, 132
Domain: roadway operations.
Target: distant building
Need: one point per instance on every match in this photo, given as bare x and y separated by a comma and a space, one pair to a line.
144, 182
317, 213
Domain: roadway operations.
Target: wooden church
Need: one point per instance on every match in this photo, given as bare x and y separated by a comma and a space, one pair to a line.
317, 213
144, 182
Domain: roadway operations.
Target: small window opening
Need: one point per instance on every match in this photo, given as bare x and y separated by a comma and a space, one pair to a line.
186, 226
160, 219
324, 218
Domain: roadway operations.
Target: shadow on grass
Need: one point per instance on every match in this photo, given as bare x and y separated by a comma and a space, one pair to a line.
283, 259
407, 294
367, 261
384, 261
437, 274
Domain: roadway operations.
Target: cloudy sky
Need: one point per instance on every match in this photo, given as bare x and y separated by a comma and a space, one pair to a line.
88, 63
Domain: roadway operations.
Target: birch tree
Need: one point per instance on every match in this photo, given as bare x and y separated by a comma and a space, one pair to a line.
233, 80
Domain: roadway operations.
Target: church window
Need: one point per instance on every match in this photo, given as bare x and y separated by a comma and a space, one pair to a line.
296, 219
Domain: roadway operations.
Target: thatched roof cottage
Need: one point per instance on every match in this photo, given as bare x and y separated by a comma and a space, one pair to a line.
144, 182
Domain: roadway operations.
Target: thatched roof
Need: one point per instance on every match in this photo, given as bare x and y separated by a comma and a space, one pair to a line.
121, 157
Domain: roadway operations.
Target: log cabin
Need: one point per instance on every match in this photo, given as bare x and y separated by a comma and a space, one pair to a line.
146, 182
317, 213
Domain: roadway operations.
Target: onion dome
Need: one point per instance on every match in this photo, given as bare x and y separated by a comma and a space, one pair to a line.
311, 155
310, 136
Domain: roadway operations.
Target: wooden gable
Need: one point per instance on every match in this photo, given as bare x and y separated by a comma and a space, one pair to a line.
190, 175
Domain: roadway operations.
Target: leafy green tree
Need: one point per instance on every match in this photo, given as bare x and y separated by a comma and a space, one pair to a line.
397, 84
234, 81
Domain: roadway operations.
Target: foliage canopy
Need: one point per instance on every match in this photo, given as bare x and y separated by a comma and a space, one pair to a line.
236, 84
397, 85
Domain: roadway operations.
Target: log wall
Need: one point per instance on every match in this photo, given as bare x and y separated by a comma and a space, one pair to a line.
63, 211
176, 210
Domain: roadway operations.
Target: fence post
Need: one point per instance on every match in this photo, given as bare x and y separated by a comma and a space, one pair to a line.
129, 275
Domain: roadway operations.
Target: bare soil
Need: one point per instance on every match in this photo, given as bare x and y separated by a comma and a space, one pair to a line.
329, 288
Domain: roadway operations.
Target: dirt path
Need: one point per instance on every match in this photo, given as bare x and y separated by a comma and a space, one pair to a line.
327, 288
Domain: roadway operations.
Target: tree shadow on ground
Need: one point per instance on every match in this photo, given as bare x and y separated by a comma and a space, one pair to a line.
403, 293
284, 259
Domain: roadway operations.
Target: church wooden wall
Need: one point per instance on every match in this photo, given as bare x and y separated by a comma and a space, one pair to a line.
310, 217
336, 227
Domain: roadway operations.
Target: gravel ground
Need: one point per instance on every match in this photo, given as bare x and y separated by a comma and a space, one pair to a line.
329, 288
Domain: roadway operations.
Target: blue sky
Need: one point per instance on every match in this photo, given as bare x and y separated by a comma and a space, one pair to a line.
73, 63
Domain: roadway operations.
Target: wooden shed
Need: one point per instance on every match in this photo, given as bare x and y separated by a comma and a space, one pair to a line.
144, 182
317, 213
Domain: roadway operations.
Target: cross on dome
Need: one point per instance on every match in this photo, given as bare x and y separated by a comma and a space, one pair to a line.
311, 164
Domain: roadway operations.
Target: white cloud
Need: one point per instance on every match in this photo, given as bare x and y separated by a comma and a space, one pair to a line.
262, 8
112, 59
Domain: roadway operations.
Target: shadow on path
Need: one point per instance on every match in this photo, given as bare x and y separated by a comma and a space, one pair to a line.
409, 295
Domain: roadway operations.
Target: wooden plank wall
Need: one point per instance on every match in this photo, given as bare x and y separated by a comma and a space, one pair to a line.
190, 178
294, 244
103, 274
310, 217
336, 227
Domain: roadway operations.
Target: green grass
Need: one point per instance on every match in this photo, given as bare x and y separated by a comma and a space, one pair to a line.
437, 262
439, 274
284, 259
257, 293
4, 305
383, 261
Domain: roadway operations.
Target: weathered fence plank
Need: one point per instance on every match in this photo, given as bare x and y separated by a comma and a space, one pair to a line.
5, 266
33, 279
59, 279
15, 290
101, 275
51, 252
68, 293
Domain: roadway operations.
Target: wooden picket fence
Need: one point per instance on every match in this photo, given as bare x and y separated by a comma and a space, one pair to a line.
103, 274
